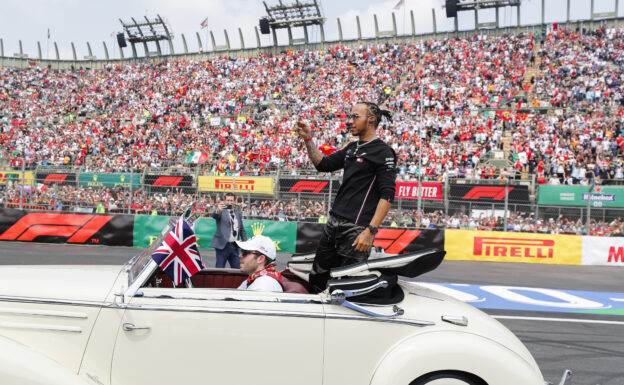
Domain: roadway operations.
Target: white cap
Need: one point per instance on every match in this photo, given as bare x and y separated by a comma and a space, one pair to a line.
261, 244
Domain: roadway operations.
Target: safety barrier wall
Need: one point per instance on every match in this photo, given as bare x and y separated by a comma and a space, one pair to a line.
292, 237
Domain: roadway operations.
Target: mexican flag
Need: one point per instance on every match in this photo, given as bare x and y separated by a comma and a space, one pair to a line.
433, 86
197, 157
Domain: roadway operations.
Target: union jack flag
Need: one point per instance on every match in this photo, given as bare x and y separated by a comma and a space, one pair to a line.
178, 255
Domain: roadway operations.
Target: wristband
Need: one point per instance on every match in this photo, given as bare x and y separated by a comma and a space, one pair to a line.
308, 139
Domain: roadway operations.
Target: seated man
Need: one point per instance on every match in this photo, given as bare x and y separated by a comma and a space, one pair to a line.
257, 258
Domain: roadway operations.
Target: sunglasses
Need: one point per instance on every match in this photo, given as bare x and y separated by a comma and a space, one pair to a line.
354, 116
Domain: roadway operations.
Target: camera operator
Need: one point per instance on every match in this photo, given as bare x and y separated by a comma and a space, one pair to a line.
229, 230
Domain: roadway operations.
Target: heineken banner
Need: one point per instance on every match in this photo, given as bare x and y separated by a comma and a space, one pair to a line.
313, 186
392, 240
601, 196
164, 183
7, 177
52, 227
60, 178
87, 179
148, 227
489, 193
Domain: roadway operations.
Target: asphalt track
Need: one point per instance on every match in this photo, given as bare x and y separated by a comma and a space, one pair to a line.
592, 345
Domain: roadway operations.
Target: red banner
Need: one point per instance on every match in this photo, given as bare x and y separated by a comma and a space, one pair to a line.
409, 190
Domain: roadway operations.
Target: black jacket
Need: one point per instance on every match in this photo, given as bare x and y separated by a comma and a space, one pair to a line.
369, 175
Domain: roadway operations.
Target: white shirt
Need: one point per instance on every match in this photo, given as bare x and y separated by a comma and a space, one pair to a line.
264, 283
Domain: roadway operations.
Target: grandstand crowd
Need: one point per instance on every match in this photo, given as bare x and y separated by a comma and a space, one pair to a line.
553, 104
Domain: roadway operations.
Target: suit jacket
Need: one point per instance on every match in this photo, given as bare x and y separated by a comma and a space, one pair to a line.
224, 226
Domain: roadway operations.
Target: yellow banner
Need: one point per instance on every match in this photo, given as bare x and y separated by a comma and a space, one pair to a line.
254, 185
512, 247
16, 177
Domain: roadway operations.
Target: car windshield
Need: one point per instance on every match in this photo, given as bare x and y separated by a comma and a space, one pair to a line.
137, 264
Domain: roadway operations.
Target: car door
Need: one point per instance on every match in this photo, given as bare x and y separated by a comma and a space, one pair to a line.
222, 336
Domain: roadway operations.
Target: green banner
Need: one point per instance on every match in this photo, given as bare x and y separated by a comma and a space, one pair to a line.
284, 234
88, 179
601, 196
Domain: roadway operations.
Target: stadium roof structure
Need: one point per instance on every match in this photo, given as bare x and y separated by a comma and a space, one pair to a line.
454, 6
297, 14
149, 30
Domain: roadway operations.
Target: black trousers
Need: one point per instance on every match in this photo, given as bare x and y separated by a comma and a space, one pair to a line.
335, 250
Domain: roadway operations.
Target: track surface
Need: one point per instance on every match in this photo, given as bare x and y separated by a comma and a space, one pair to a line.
592, 345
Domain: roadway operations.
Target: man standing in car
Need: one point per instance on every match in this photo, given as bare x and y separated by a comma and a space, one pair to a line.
364, 197
229, 230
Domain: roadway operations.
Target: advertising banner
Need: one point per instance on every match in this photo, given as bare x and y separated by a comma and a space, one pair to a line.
489, 193
512, 247
163, 183
61, 178
312, 186
605, 251
601, 196
409, 190
393, 241
88, 179
17, 225
148, 227
16, 177
253, 185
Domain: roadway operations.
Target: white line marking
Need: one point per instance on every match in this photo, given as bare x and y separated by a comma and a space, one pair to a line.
575, 320
617, 299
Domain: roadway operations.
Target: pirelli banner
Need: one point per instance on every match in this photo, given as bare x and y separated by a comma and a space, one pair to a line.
252, 185
488, 193
512, 247
310, 186
393, 241
163, 183
18, 225
8, 177
59, 178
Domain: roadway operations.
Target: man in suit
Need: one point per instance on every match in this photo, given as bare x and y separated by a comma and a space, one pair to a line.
229, 230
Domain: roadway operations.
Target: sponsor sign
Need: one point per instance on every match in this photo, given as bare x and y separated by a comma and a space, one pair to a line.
19, 225
110, 180
51, 178
489, 193
253, 185
512, 247
393, 241
603, 251
16, 177
601, 196
312, 186
410, 190
148, 227
163, 183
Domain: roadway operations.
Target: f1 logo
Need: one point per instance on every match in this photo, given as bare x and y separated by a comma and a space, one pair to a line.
492, 192
55, 178
394, 241
79, 228
314, 186
168, 181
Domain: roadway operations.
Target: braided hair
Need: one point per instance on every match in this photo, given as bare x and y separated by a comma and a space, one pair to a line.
377, 112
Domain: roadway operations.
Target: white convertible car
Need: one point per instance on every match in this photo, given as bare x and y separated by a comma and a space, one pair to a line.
84, 325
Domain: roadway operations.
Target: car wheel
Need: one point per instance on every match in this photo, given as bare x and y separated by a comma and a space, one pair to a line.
448, 379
